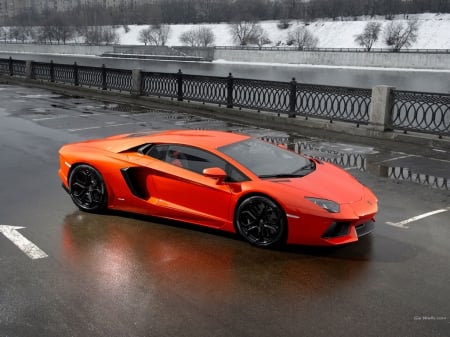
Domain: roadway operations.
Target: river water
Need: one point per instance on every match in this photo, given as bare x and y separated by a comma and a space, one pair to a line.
402, 79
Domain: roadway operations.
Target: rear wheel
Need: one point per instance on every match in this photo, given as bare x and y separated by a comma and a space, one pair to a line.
260, 221
87, 189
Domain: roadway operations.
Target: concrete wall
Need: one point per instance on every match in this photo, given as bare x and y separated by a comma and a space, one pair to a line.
55, 49
207, 53
357, 59
147, 50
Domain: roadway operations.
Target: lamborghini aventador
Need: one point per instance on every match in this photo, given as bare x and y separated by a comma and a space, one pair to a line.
265, 193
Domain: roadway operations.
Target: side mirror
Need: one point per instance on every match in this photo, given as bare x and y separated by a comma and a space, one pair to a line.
215, 173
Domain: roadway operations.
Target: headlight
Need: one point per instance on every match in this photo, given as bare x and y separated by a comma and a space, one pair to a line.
328, 205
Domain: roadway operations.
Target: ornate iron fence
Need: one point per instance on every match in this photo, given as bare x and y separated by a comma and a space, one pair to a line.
91, 77
421, 112
64, 73
117, 79
333, 103
159, 84
41, 71
205, 89
12, 67
261, 95
415, 111
4, 66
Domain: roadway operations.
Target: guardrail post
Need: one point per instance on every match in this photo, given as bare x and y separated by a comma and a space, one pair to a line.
380, 118
76, 81
179, 85
10, 65
230, 82
104, 84
52, 71
292, 98
136, 82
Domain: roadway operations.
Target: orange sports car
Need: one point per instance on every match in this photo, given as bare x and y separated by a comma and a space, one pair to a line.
233, 182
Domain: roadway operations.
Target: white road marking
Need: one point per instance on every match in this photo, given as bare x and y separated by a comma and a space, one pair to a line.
49, 118
25, 245
402, 224
99, 127
397, 158
40, 119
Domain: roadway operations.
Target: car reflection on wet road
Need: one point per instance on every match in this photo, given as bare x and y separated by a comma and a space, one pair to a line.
119, 274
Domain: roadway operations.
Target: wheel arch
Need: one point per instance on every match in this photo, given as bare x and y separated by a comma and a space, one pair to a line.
273, 199
108, 188
257, 193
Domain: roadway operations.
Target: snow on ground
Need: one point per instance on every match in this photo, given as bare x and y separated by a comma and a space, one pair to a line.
434, 32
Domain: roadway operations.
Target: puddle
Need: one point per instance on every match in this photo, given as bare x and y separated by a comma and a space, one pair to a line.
123, 107
428, 172
343, 155
399, 173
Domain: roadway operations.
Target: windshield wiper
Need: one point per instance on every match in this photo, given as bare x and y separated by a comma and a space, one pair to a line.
306, 168
301, 172
281, 175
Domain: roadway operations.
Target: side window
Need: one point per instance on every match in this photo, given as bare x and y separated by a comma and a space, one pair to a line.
197, 160
156, 151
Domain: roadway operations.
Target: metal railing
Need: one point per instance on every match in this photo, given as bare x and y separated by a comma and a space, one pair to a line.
410, 111
334, 103
421, 112
340, 50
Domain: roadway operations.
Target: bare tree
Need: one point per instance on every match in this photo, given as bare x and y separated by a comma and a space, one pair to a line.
20, 33
369, 36
189, 38
64, 33
161, 33
4, 33
244, 32
100, 35
397, 35
260, 37
206, 36
145, 35
109, 36
302, 38
198, 37
155, 35
44, 34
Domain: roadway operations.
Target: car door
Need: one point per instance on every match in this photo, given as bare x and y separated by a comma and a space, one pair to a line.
183, 192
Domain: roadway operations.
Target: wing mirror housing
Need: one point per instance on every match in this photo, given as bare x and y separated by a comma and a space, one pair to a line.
215, 173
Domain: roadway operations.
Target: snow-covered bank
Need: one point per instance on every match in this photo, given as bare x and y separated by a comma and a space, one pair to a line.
434, 32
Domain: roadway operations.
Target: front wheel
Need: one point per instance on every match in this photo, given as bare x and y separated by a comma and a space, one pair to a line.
87, 189
261, 221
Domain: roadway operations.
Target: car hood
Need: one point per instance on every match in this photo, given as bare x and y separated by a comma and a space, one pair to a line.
327, 182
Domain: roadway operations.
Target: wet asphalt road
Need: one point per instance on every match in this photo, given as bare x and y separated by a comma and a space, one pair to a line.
125, 275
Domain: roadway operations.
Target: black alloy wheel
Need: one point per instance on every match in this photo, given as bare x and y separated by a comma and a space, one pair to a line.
261, 221
87, 189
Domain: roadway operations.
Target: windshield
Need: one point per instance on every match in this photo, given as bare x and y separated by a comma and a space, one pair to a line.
267, 160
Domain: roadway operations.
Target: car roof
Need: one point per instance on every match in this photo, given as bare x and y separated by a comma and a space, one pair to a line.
203, 138
207, 139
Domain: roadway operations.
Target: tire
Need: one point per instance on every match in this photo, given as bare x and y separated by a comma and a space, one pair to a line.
87, 189
261, 222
